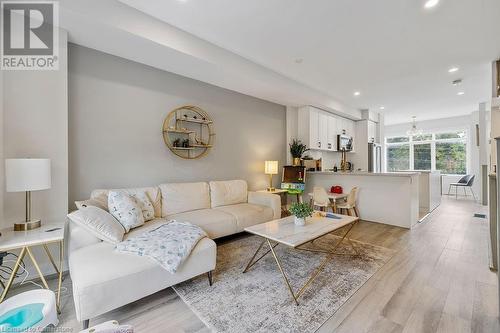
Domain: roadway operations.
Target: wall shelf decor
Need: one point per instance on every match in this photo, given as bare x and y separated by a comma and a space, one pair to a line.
191, 123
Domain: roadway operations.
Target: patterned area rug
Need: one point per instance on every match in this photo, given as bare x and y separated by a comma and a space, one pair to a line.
258, 301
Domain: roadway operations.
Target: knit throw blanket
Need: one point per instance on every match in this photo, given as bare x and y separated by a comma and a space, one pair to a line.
169, 245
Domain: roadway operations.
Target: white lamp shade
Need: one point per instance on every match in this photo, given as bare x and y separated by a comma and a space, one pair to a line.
27, 174
271, 168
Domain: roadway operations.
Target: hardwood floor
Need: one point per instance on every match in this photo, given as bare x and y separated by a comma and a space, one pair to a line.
439, 281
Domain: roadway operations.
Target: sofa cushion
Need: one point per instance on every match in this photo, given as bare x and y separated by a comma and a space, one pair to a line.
153, 194
99, 223
215, 223
248, 214
93, 203
104, 279
230, 192
183, 197
125, 209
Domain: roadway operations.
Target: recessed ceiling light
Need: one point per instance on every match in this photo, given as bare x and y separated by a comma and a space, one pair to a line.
460, 93
430, 4
453, 70
357, 93
382, 108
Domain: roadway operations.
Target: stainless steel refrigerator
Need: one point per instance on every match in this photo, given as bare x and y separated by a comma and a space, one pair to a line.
374, 157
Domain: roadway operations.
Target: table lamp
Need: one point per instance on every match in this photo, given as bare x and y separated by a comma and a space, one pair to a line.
271, 168
26, 175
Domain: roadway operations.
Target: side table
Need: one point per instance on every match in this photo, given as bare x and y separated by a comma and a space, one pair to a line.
25, 241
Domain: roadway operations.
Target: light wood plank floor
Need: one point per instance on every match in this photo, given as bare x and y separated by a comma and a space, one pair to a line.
439, 281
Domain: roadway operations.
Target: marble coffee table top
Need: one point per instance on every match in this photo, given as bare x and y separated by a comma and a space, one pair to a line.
285, 231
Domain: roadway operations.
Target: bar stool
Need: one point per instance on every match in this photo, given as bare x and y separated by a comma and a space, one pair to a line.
320, 199
350, 203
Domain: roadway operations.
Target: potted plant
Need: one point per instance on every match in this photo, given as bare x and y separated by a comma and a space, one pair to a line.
301, 210
297, 149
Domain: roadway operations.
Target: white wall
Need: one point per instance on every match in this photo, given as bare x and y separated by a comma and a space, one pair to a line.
2, 171
116, 111
35, 124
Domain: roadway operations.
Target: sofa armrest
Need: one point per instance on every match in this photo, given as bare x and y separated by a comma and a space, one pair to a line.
266, 199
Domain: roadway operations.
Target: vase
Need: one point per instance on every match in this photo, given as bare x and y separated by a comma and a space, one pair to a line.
296, 161
299, 221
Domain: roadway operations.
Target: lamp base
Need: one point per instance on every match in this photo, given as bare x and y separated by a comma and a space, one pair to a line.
27, 225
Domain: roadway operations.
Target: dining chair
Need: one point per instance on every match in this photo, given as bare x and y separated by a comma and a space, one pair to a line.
350, 204
320, 199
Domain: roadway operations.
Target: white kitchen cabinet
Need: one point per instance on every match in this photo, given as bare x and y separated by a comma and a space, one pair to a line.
318, 129
332, 133
323, 130
372, 131
314, 140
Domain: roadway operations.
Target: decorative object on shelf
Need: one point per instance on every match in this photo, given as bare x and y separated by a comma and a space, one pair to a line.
26, 175
300, 210
297, 149
414, 130
271, 168
188, 132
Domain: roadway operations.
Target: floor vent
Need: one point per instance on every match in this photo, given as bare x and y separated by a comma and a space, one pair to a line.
482, 216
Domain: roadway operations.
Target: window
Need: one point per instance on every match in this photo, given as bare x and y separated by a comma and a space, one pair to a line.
422, 159
398, 158
444, 151
451, 157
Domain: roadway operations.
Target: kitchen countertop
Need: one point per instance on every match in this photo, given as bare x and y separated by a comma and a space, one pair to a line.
365, 173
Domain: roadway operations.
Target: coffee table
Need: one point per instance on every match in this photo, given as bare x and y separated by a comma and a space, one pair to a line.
284, 231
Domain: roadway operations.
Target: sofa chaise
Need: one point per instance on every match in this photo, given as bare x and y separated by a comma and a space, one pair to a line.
104, 279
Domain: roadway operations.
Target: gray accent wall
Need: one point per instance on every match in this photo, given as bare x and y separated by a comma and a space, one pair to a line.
116, 112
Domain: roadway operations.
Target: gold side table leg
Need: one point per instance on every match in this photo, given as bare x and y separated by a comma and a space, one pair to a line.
13, 274
39, 271
51, 258
282, 271
59, 282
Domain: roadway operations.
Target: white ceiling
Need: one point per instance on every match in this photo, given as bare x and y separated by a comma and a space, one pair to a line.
393, 51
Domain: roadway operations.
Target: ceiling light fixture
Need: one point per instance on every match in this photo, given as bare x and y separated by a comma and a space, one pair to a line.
453, 70
382, 108
460, 93
431, 4
414, 130
357, 93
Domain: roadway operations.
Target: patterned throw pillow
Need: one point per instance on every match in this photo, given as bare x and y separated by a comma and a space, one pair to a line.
148, 211
125, 209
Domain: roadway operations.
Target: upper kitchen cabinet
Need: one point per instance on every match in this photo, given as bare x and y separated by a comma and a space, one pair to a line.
372, 132
332, 133
318, 129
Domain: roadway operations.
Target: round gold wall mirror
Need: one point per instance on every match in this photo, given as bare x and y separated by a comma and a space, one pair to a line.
188, 132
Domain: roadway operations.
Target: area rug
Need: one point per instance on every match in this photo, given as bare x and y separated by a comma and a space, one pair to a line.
258, 301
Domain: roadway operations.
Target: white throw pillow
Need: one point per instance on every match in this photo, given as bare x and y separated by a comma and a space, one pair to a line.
148, 211
100, 223
125, 209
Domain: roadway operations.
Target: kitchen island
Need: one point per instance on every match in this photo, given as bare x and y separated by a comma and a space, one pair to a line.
390, 198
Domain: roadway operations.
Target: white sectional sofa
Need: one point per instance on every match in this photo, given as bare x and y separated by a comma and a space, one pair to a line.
104, 279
